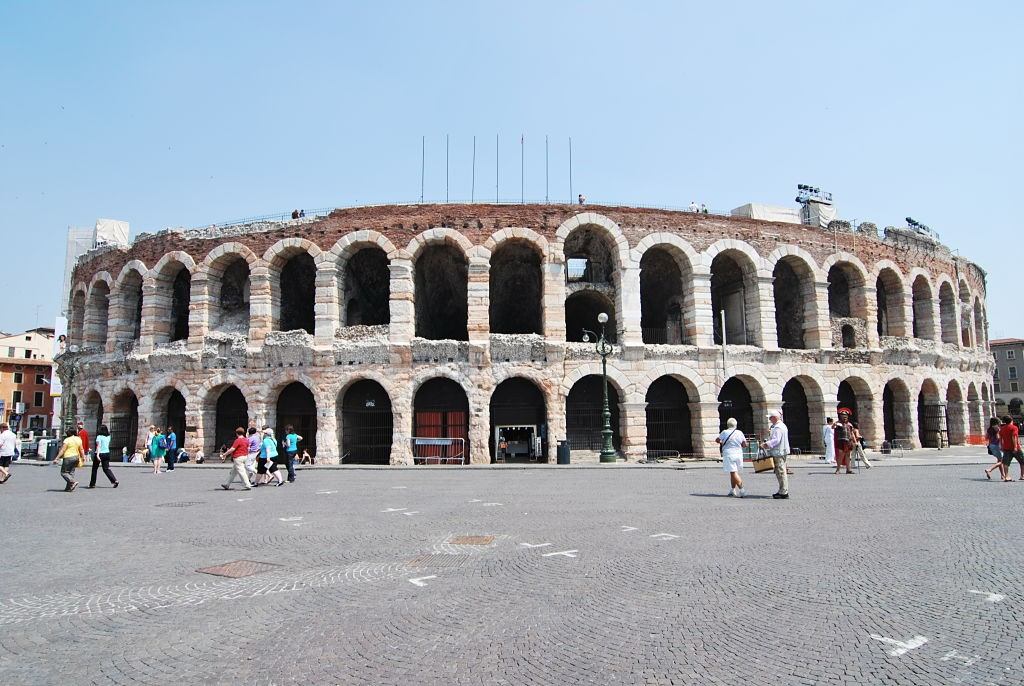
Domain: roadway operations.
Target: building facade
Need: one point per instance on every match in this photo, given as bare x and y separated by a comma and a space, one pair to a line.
1008, 375
392, 332
25, 374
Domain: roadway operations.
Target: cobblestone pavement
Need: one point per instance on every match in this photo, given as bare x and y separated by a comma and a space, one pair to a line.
901, 575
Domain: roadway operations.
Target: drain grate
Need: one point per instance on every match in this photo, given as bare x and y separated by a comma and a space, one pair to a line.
472, 540
239, 568
184, 503
438, 560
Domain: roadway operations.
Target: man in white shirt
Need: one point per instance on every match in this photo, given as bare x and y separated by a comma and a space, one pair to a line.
8, 446
777, 446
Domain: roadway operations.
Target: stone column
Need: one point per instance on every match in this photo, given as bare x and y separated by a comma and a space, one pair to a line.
117, 320
704, 442
326, 432
817, 322
936, 319
403, 311
200, 309
401, 422
479, 434
871, 317
261, 321
554, 302
326, 306
194, 437
767, 336
557, 430
478, 323
976, 414
629, 304
761, 424
905, 415
155, 315
956, 422
699, 315
633, 420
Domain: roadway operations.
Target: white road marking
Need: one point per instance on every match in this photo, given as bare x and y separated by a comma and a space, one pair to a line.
290, 519
325, 492
564, 553
297, 524
990, 596
663, 537
534, 545
395, 509
491, 504
628, 528
399, 487
474, 500
419, 581
901, 646
967, 661
410, 514
242, 500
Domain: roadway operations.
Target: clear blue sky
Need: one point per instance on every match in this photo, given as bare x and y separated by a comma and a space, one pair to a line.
186, 113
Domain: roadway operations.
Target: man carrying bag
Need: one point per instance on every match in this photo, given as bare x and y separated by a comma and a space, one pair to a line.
777, 446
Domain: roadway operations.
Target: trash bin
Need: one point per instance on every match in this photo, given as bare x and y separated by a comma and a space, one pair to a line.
52, 448
563, 452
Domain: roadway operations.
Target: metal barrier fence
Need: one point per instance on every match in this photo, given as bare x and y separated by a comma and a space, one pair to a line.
438, 450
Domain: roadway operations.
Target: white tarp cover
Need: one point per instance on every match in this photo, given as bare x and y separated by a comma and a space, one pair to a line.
821, 214
111, 232
770, 213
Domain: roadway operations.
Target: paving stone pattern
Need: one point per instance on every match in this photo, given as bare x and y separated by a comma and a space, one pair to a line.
618, 576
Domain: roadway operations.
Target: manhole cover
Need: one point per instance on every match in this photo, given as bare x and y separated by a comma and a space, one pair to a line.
438, 560
472, 540
239, 568
186, 503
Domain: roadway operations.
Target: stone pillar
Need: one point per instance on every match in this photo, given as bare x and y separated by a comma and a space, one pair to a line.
194, 438
326, 307
200, 309
261, 321
557, 430
699, 316
761, 424
401, 422
629, 307
977, 423
479, 434
956, 422
767, 336
403, 311
905, 414
817, 322
326, 433
816, 413
155, 315
936, 319
704, 418
478, 301
871, 317
554, 302
872, 426
633, 421
117, 320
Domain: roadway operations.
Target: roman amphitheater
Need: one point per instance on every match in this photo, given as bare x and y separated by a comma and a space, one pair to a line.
387, 333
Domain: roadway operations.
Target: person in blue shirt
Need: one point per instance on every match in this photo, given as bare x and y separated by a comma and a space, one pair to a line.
268, 451
291, 449
102, 457
172, 448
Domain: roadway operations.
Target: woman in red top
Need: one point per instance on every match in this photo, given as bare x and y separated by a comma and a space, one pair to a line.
238, 451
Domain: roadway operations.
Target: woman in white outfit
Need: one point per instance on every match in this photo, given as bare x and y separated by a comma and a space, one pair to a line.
828, 437
731, 442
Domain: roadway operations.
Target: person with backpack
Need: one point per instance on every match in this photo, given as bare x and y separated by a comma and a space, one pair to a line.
843, 432
172, 448
731, 443
290, 443
157, 448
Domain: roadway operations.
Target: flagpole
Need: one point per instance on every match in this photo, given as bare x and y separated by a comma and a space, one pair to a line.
446, 167
472, 188
546, 199
570, 170
423, 164
497, 198
522, 169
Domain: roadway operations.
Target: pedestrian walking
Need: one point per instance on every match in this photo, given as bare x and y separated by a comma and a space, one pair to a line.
693, 207
268, 451
582, 199
703, 208
237, 452
71, 455
84, 435
253, 454
157, 448
8, 446
843, 431
291, 449
731, 443
829, 439
777, 446
101, 458
994, 449
172, 448
1009, 443
857, 452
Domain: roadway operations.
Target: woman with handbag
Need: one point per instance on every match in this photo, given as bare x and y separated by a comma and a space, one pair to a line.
72, 455
994, 449
730, 444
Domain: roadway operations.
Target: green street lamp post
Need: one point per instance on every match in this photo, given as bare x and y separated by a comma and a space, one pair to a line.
604, 349
69, 366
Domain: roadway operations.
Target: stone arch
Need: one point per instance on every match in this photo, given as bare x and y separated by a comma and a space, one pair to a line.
923, 305
76, 314
947, 311
352, 243
667, 303
735, 270
932, 431
494, 241
442, 235
584, 409
612, 231
295, 403
366, 421
616, 377
228, 270
956, 414
890, 295
516, 287
168, 289
897, 413
582, 309
224, 253
671, 429
441, 283
224, 407
123, 420
794, 278
803, 411
518, 412
91, 410
441, 410
980, 324
169, 401
742, 397
127, 300
292, 267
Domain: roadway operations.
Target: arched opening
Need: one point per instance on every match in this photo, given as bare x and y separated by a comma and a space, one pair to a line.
839, 296
519, 429
441, 293
296, 407
849, 336
584, 414
734, 401
662, 302
367, 424
924, 320
796, 414
92, 412
124, 423
734, 291
955, 415
947, 313
366, 288
975, 412
76, 319
231, 411
230, 294
296, 291
131, 303
669, 425
966, 314
440, 423
889, 300
896, 417
516, 289
97, 315
980, 337
793, 287
931, 417
847, 397
581, 311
